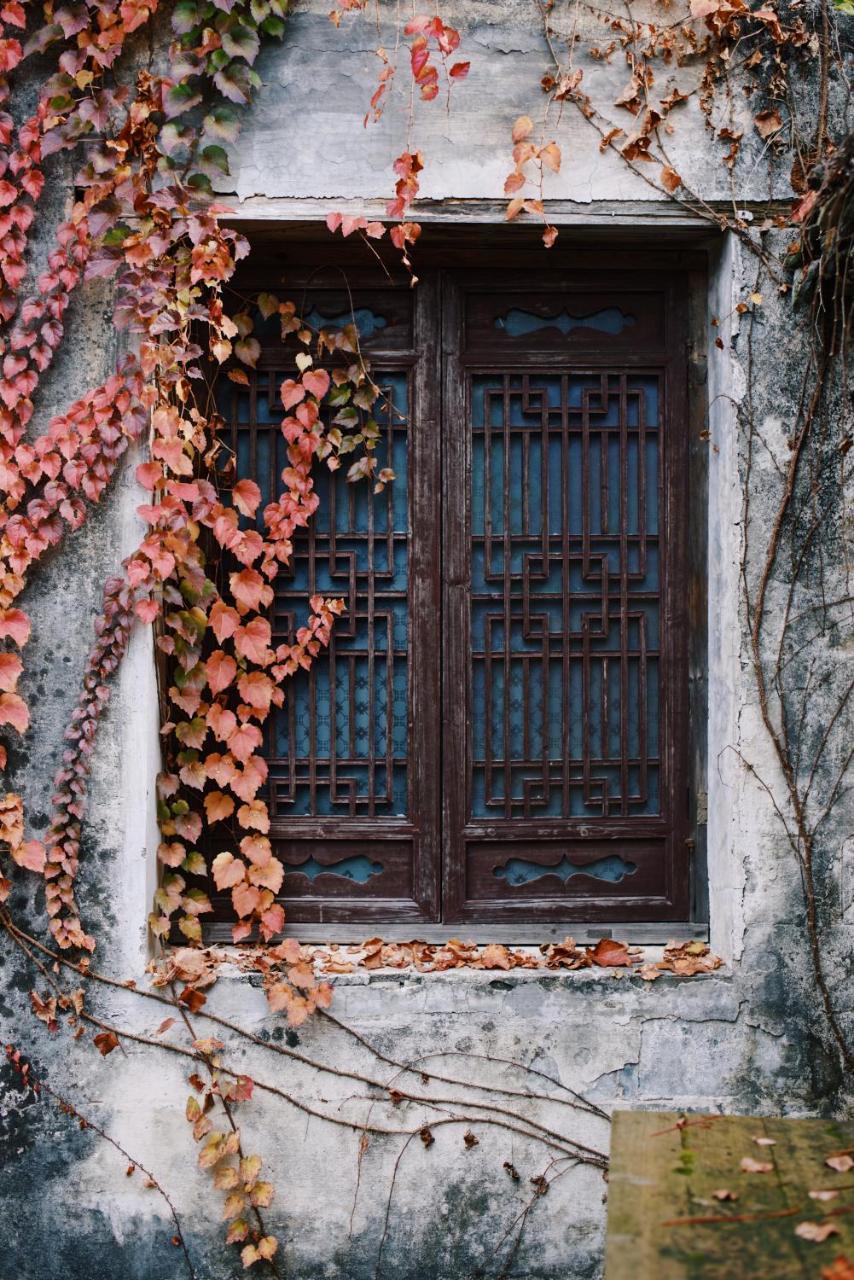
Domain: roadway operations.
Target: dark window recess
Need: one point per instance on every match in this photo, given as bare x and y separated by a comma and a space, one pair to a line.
499, 730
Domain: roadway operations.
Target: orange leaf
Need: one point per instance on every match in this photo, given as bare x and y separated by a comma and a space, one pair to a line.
255, 816
317, 382
243, 742
249, 588
246, 496
218, 806
30, 854
106, 1042
268, 877
550, 156
292, 393
14, 625
257, 849
670, 179
253, 640
227, 870
221, 670
609, 953
13, 711
11, 667
224, 620
256, 689
171, 854
245, 898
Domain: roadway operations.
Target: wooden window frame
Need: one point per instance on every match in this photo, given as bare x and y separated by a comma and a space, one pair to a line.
438, 377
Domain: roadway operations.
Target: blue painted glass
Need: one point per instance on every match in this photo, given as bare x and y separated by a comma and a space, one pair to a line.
339, 745
519, 324
565, 595
612, 869
358, 869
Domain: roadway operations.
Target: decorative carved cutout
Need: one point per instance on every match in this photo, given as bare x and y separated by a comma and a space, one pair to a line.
358, 869
519, 324
366, 321
612, 869
565, 601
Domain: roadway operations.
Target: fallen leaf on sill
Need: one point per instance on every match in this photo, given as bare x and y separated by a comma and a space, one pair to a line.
749, 1165
608, 953
723, 1193
687, 959
817, 1232
566, 955
840, 1164
822, 1195
495, 956
650, 972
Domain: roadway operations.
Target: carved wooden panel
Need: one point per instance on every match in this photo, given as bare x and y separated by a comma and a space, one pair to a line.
565, 663
499, 729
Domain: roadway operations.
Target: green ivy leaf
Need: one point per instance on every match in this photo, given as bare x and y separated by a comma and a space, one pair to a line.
222, 122
200, 182
217, 60
241, 42
178, 99
273, 27
216, 157
236, 82
185, 16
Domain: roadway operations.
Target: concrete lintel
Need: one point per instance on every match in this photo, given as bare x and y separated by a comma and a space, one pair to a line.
596, 213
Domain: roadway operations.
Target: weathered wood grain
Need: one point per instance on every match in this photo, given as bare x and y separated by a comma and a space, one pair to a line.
665, 1223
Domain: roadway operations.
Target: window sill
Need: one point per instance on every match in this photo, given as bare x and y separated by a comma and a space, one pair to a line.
516, 935
501, 979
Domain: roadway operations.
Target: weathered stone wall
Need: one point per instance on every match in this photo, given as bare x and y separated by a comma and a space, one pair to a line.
750, 1038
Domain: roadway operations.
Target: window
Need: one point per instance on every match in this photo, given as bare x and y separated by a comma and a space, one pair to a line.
500, 729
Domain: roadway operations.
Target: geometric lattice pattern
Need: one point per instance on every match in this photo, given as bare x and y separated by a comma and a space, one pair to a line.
338, 746
565, 595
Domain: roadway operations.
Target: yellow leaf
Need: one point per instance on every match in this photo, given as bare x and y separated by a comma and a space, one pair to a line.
234, 1203
523, 128
262, 1195
267, 1247
250, 1167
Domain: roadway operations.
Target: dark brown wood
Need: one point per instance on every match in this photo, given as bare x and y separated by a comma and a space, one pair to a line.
566, 333
356, 859
342, 793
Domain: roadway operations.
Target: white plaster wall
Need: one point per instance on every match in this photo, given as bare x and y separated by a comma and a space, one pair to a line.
307, 142
740, 1041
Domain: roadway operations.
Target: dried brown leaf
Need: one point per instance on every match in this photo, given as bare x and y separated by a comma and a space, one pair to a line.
817, 1232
